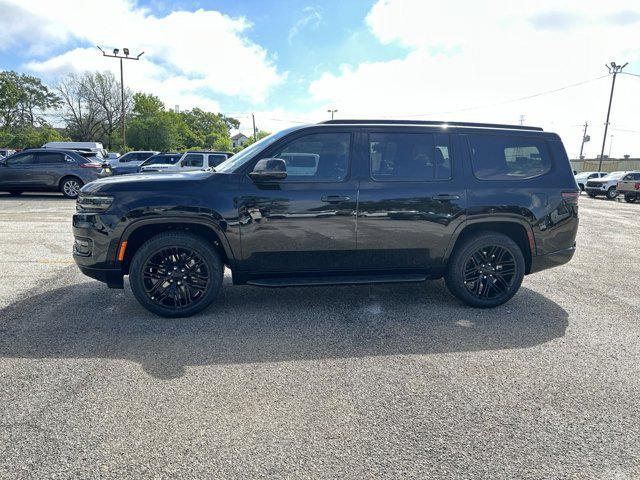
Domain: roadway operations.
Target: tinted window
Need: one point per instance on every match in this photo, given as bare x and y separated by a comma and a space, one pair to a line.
50, 157
409, 156
594, 175
193, 160
508, 158
321, 157
143, 156
21, 159
216, 159
632, 176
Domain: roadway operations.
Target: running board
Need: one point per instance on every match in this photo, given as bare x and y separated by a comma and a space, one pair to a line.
337, 280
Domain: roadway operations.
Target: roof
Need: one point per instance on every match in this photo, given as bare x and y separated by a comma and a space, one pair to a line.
238, 135
431, 123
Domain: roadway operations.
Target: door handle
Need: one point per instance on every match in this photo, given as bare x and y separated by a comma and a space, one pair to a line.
335, 199
445, 197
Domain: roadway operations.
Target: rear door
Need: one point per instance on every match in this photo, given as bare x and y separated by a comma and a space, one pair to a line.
49, 168
412, 200
215, 159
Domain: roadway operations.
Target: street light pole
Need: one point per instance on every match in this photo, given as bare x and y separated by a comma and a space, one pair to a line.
122, 109
332, 112
615, 69
585, 138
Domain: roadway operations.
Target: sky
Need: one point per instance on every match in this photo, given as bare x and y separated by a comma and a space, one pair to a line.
288, 61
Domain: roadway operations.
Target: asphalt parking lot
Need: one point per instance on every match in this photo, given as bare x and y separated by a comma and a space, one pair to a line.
342, 382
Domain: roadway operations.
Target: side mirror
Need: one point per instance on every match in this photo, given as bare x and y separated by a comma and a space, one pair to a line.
3, 162
269, 169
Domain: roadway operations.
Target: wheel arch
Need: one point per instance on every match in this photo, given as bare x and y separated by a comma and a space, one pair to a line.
139, 232
519, 231
67, 177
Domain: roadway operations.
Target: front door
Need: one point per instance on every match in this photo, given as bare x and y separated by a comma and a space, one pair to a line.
306, 222
412, 201
18, 171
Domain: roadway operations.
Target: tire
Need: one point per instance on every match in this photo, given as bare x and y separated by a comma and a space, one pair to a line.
630, 197
169, 251
494, 288
612, 193
15, 193
591, 195
581, 187
70, 187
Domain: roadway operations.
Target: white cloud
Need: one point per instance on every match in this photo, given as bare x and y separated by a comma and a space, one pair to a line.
189, 56
479, 54
312, 18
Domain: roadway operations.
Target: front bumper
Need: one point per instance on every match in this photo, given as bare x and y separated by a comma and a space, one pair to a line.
550, 260
113, 278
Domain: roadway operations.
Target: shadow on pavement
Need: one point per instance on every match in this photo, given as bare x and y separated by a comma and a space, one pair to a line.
251, 324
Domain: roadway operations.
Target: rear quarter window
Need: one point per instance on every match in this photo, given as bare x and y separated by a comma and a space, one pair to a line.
496, 157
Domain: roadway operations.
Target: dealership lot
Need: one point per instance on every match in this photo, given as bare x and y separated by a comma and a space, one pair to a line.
338, 382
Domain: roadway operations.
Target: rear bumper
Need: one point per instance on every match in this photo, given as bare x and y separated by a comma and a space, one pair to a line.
550, 260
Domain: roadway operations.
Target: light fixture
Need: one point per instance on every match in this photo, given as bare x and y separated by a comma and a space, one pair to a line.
115, 51
126, 51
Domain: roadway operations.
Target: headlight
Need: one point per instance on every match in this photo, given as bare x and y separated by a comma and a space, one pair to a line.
93, 203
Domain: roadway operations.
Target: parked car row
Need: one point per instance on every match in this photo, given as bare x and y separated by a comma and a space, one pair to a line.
50, 169
152, 161
610, 185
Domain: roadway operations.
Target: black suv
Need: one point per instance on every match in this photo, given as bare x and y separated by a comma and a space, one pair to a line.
49, 170
342, 202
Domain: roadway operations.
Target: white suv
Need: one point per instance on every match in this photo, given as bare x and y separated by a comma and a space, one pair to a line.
195, 160
604, 186
582, 177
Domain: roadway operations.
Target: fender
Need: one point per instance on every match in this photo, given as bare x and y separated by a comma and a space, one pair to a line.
490, 219
180, 219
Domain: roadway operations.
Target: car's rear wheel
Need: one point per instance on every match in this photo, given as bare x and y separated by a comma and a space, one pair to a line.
70, 187
176, 274
486, 270
630, 197
592, 195
612, 193
581, 187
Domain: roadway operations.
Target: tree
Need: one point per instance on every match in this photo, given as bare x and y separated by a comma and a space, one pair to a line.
24, 100
103, 90
82, 117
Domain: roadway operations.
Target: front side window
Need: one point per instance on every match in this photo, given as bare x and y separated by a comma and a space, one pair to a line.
51, 157
193, 160
319, 157
409, 156
496, 157
22, 159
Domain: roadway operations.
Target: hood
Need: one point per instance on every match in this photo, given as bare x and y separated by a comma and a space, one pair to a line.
144, 181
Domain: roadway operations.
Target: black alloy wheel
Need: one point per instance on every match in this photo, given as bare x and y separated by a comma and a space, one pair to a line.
176, 274
489, 272
486, 269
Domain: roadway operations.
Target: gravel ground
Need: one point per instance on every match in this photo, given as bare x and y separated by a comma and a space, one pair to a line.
346, 382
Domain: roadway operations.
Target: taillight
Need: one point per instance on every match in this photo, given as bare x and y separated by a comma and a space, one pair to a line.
90, 165
637, 186
571, 197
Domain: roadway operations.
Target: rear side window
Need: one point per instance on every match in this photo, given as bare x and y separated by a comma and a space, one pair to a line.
193, 160
217, 159
409, 156
50, 157
496, 157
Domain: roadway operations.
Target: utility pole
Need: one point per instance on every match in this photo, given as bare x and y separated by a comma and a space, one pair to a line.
585, 138
615, 69
522, 117
332, 112
255, 133
125, 57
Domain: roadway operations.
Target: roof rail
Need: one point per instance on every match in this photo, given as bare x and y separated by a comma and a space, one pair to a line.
430, 123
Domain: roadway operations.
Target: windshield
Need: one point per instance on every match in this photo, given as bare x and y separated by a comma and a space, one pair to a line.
615, 175
239, 159
162, 160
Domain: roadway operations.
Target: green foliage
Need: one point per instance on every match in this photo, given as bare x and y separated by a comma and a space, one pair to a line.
152, 127
24, 100
29, 137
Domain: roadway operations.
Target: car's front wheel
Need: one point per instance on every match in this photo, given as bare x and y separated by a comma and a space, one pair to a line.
176, 274
612, 193
485, 270
70, 187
